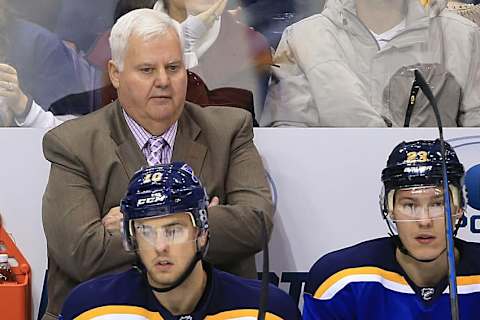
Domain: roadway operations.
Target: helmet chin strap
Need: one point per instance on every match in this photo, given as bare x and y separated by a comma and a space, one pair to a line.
188, 271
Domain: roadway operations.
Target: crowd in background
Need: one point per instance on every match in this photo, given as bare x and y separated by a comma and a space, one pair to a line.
344, 66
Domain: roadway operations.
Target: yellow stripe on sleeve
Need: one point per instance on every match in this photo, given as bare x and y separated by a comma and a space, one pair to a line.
360, 271
467, 280
241, 314
138, 312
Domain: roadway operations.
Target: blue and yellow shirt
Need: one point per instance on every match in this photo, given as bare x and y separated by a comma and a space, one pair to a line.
126, 296
365, 282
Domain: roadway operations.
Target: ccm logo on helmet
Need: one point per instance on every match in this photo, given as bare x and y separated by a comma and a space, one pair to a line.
156, 197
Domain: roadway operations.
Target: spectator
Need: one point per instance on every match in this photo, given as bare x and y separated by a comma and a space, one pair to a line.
16, 109
93, 157
97, 57
47, 69
169, 234
229, 54
91, 19
404, 276
352, 65
39, 12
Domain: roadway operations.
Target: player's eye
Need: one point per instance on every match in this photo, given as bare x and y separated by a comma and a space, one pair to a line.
437, 204
173, 232
147, 231
408, 205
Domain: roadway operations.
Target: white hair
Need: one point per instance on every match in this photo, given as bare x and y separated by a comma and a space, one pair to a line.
145, 23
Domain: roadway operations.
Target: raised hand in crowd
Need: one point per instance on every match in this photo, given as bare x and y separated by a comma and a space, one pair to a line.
200, 18
205, 10
13, 102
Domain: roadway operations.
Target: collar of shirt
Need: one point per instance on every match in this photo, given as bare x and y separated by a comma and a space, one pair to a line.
385, 37
142, 136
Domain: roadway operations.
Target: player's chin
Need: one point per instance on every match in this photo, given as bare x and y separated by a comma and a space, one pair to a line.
165, 280
426, 253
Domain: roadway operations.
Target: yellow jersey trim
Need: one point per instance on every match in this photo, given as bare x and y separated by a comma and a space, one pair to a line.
360, 271
119, 309
468, 280
138, 311
240, 313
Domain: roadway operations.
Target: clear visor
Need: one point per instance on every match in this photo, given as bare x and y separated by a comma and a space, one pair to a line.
169, 230
419, 204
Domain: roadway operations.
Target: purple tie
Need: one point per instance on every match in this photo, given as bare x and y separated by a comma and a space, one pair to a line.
155, 147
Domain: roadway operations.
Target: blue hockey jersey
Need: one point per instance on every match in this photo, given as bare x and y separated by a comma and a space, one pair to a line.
365, 282
126, 296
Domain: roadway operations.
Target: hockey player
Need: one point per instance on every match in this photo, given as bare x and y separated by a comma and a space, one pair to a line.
404, 276
165, 223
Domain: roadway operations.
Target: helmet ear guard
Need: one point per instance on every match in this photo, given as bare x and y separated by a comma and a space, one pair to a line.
129, 240
199, 221
386, 212
203, 249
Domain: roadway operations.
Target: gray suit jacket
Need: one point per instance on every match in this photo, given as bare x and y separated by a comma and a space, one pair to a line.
92, 159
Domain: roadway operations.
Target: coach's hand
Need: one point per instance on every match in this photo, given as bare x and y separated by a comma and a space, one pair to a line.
214, 202
111, 221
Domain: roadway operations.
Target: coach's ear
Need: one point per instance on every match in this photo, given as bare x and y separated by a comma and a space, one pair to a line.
113, 73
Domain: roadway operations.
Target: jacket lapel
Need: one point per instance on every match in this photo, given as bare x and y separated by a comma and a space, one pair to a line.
128, 152
187, 148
